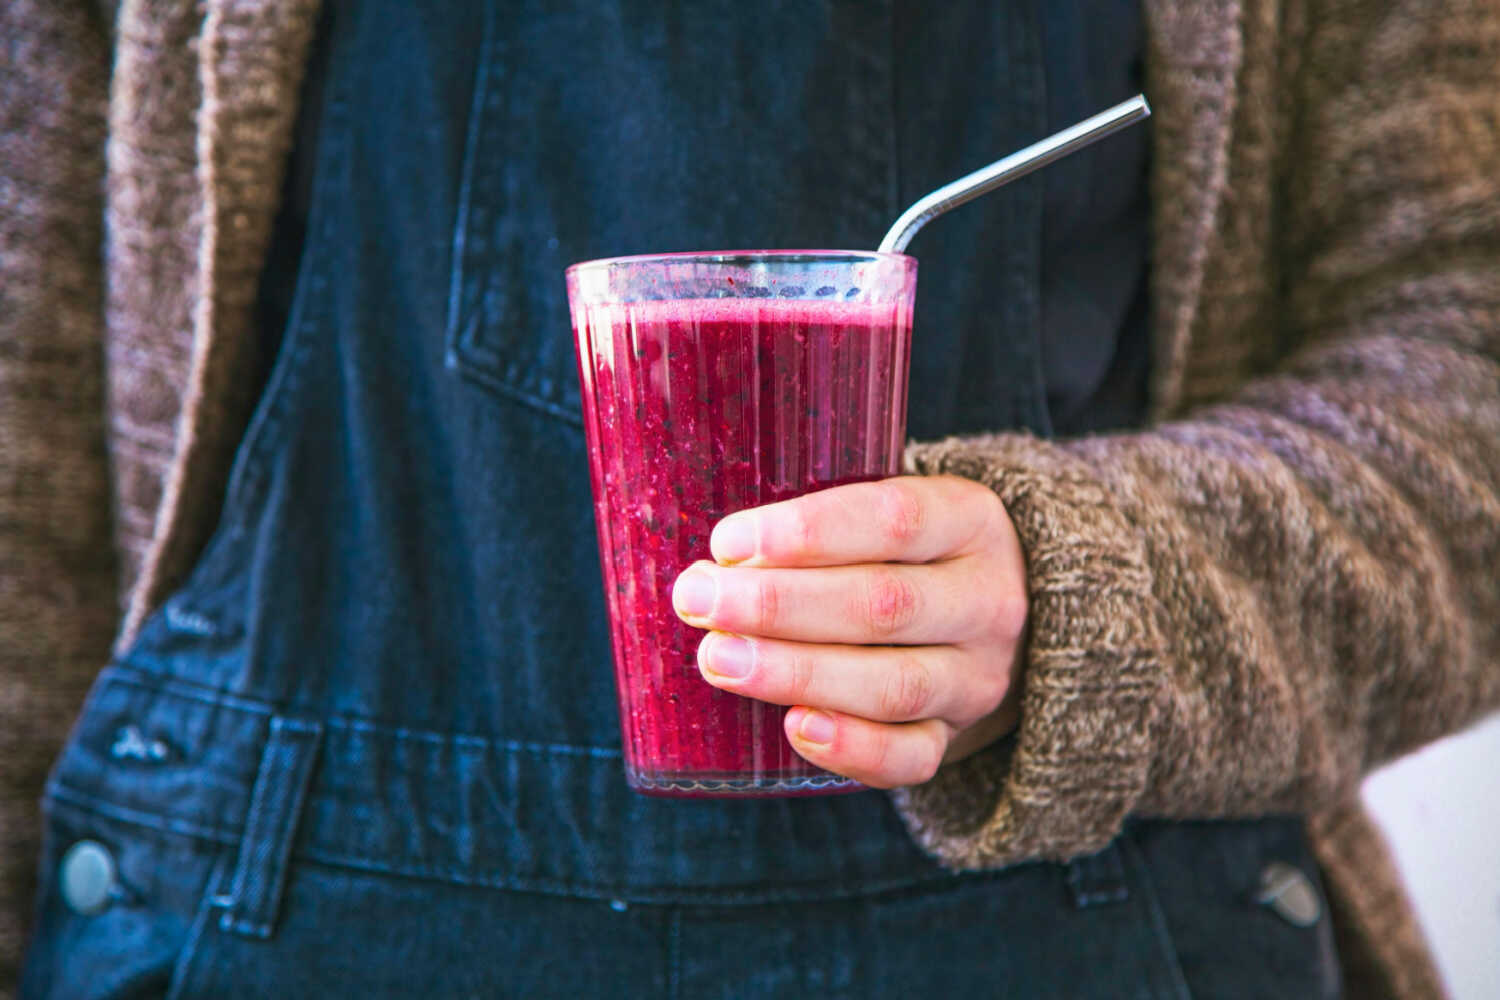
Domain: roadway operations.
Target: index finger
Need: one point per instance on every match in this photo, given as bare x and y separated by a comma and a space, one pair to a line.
914, 519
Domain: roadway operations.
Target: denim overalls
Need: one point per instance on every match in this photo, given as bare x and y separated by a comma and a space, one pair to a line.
370, 748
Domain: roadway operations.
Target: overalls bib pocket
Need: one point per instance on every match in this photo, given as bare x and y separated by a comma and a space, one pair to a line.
600, 130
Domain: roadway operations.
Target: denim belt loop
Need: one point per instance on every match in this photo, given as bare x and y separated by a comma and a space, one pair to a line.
260, 871
1098, 879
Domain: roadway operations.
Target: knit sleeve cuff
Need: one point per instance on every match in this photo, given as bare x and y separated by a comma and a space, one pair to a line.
1092, 675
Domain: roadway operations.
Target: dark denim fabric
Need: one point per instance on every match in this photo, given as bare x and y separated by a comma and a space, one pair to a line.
382, 756
1165, 912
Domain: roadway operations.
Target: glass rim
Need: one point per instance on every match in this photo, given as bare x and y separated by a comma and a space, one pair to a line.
733, 257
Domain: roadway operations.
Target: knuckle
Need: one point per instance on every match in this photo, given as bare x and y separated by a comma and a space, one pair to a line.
993, 687
900, 756
1009, 614
878, 759
767, 603
890, 602
907, 690
991, 514
798, 673
927, 764
984, 687
901, 513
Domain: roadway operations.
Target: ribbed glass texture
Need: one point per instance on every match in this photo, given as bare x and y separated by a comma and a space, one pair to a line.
712, 383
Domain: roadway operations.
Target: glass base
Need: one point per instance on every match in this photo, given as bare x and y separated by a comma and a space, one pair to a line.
699, 786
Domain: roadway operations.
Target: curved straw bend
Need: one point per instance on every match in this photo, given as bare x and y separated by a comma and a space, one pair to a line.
1017, 164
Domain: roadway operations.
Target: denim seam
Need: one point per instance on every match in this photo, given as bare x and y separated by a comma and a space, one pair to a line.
334, 855
190, 956
840, 889
466, 185
263, 433
137, 677
311, 305
672, 895
123, 814
674, 954
475, 371
553, 887
467, 351
124, 672
478, 742
1179, 987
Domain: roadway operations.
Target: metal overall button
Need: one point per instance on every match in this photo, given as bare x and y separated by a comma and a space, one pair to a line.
87, 877
1290, 894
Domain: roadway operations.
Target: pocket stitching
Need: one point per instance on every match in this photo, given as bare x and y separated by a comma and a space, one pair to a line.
468, 351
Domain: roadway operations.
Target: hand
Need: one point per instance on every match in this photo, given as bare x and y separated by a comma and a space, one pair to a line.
889, 614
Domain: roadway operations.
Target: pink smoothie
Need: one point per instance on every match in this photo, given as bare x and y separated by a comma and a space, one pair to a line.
695, 409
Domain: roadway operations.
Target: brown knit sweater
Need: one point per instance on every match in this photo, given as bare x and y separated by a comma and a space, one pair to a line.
57, 567
1286, 580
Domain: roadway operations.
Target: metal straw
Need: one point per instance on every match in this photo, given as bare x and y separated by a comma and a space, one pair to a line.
1017, 164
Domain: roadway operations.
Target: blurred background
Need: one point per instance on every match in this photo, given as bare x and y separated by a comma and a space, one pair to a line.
1441, 811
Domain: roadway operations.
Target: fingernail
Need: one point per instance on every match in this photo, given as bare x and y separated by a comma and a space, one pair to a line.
694, 594
730, 656
816, 727
733, 539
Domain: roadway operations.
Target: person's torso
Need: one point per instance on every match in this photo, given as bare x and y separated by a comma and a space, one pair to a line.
393, 657
408, 533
